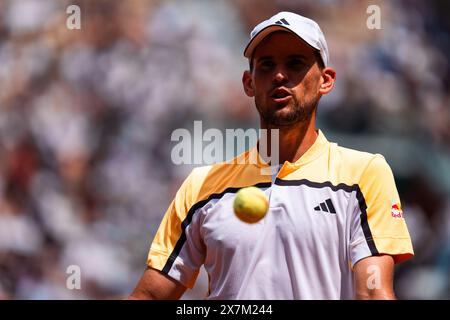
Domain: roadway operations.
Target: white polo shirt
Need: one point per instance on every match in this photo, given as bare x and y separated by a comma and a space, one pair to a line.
331, 208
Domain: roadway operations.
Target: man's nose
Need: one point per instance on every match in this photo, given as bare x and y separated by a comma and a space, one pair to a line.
280, 76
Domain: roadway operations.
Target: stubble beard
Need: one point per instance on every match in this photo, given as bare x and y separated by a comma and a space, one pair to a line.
298, 112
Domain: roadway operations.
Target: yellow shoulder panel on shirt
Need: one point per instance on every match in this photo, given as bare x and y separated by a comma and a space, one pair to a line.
336, 164
384, 214
199, 186
371, 174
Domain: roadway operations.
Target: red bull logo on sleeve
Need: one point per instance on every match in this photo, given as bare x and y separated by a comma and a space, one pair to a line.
396, 210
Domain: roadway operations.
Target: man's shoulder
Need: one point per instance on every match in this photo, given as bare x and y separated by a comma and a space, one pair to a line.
199, 174
234, 173
352, 156
215, 170
357, 163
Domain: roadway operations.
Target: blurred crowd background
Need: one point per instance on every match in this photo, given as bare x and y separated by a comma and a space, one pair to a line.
86, 118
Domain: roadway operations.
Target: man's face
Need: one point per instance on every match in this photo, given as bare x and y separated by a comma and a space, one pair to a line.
285, 79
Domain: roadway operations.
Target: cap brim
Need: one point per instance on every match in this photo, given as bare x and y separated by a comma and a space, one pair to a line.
303, 28
264, 33
260, 36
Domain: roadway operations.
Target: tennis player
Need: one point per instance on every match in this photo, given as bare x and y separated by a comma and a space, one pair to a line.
334, 228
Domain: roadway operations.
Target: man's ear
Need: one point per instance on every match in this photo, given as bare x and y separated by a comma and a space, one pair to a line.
328, 78
247, 82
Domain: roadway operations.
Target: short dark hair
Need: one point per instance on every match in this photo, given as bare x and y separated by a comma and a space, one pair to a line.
319, 59
316, 54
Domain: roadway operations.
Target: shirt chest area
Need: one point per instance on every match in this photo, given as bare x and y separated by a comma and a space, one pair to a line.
298, 214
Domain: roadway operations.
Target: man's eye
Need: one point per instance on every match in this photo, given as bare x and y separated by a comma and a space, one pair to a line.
266, 64
296, 63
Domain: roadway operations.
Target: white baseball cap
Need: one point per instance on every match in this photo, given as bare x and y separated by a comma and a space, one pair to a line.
305, 28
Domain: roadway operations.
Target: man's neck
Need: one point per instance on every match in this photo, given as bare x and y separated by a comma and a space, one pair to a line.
294, 140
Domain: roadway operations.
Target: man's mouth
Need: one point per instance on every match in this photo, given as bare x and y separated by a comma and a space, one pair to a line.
281, 95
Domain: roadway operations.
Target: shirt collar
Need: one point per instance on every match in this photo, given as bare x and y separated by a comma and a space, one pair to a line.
318, 148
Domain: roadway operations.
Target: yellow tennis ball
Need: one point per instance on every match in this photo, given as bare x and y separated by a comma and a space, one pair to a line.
250, 204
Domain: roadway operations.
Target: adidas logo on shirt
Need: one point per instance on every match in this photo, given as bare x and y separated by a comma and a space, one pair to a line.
326, 206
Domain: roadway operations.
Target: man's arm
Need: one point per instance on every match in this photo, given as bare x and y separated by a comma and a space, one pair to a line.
374, 278
155, 285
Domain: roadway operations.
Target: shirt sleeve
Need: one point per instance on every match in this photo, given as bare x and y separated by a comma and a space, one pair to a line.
378, 225
177, 248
